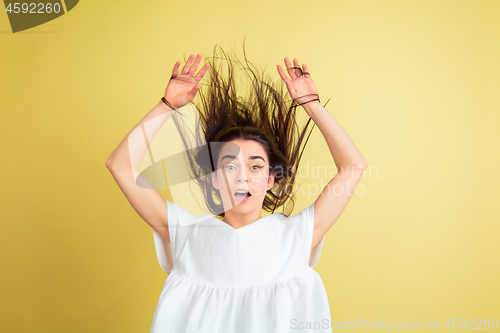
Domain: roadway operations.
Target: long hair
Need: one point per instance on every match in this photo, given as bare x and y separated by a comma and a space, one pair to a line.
266, 115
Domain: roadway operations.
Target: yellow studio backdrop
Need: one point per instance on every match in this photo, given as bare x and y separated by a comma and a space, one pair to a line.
415, 84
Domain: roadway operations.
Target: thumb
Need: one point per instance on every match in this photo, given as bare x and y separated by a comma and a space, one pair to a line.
193, 91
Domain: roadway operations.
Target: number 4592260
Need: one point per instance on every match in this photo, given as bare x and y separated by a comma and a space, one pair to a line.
486, 324
31, 8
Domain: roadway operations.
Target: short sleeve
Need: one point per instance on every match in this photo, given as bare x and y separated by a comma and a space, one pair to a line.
163, 247
307, 218
179, 221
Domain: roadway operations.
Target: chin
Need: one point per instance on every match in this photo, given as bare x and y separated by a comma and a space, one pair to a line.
248, 206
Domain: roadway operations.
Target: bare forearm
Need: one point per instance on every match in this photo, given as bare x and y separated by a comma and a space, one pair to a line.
131, 150
343, 150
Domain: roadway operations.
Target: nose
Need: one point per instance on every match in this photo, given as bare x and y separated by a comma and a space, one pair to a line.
242, 176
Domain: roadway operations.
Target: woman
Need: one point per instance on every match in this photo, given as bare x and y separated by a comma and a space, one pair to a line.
239, 271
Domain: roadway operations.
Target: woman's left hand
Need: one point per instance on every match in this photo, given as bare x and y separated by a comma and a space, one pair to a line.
299, 86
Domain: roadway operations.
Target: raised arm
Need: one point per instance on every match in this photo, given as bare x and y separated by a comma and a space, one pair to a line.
350, 163
124, 161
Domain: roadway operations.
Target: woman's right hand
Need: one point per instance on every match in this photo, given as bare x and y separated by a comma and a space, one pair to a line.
182, 88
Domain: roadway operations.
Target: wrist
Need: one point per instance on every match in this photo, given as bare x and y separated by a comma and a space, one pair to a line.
168, 105
305, 99
309, 102
312, 106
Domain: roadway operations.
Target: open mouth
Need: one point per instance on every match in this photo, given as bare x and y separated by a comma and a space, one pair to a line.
242, 194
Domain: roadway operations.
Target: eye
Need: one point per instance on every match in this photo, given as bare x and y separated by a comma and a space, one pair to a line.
256, 167
229, 167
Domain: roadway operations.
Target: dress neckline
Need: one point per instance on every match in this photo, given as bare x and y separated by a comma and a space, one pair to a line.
243, 227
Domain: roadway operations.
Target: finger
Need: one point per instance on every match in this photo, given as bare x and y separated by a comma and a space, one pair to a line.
306, 71
282, 74
185, 69
287, 81
195, 64
298, 72
290, 69
193, 92
202, 72
175, 71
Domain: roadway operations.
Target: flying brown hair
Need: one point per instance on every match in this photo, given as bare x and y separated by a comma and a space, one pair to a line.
266, 114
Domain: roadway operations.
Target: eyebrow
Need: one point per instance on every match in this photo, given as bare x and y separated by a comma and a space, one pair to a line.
254, 157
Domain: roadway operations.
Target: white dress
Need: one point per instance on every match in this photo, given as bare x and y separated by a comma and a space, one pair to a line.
257, 278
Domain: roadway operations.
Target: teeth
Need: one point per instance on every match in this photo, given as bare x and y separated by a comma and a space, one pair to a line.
242, 192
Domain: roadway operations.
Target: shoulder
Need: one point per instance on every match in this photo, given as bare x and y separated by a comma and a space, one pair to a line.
306, 214
180, 216
303, 216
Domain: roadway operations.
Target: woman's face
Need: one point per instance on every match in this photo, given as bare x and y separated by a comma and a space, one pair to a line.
243, 176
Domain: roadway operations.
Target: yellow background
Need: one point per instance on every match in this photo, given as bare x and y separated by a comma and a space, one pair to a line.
414, 83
